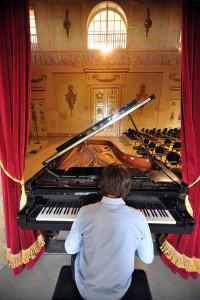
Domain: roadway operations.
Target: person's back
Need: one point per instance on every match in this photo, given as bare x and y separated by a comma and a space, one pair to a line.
106, 236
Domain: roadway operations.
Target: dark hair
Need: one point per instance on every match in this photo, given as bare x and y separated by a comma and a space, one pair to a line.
115, 180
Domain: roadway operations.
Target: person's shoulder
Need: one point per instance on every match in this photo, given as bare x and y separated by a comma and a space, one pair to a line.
136, 213
90, 207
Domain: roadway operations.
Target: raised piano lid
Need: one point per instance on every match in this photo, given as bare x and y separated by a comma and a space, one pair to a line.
104, 123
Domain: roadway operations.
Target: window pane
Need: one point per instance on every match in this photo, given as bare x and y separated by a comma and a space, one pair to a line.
96, 26
32, 23
111, 26
33, 30
31, 13
123, 27
110, 15
117, 26
97, 17
103, 15
103, 27
90, 29
117, 17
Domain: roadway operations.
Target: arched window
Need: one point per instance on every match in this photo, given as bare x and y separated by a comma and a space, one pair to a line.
33, 32
107, 27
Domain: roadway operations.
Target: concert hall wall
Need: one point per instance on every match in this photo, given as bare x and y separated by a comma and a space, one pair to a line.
149, 65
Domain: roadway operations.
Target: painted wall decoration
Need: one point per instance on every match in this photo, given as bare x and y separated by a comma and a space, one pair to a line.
99, 97
174, 119
67, 23
38, 122
142, 95
70, 97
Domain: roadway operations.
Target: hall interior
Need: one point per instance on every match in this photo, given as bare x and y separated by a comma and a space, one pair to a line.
74, 87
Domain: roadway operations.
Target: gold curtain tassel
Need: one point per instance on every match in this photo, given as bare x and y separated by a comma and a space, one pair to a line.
23, 193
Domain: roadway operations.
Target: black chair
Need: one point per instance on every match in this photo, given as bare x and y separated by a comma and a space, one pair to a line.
176, 147
66, 288
164, 131
152, 146
172, 159
159, 152
166, 145
140, 146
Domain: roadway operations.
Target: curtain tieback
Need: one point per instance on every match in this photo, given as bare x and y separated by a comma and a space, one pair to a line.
193, 183
23, 193
187, 202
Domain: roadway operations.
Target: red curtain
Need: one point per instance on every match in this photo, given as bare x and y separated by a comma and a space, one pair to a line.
181, 253
24, 247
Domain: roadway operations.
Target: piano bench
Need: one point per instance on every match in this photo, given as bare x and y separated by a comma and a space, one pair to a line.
66, 288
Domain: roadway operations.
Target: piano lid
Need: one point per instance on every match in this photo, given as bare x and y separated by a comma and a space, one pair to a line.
104, 123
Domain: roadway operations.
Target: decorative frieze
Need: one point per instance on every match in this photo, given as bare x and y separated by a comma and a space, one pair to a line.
97, 59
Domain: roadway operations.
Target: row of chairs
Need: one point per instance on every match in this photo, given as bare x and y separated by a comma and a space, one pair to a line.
164, 146
154, 134
169, 153
165, 132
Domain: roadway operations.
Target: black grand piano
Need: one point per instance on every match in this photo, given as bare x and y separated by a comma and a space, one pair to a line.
70, 179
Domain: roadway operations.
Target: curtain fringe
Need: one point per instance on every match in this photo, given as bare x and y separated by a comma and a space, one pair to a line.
180, 260
24, 256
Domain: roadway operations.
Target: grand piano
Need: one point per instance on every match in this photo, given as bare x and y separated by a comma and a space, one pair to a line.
71, 178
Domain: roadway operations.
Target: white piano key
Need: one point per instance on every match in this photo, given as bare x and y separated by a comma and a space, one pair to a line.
153, 219
68, 214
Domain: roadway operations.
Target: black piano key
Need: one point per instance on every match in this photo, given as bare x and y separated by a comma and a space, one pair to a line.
77, 208
153, 209
146, 210
143, 209
61, 208
49, 208
57, 206
45, 207
74, 208
156, 209
66, 207
163, 212
70, 205
52, 206
159, 209
139, 207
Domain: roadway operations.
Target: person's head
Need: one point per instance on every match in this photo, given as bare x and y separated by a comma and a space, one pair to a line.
115, 181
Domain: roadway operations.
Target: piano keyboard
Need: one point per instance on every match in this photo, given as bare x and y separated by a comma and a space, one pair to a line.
155, 213
59, 211
67, 211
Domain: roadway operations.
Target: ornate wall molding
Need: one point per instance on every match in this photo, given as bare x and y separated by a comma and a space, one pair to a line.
173, 76
36, 80
105, 80
95, 59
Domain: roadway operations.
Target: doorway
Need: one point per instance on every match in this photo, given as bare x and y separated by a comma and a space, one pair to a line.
106, 102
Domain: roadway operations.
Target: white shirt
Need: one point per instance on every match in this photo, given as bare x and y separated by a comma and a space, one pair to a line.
107, 235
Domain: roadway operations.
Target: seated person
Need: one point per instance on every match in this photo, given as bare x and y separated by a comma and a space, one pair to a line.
106, 236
